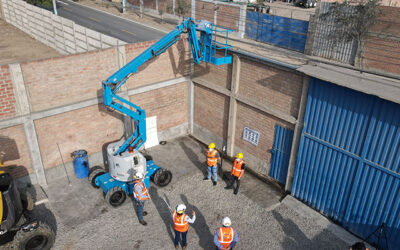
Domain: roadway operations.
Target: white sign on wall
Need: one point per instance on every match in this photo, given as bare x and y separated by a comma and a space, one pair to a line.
151, 132
251, 136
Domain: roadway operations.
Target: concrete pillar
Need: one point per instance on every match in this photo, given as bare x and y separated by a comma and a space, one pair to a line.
34, 151
242, 20
193, 9
173, 7
233, 106
215, 13
190, 106
21, 96
157, 5
297, 134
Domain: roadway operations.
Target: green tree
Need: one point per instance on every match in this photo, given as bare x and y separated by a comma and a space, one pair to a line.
182, 8
47, 4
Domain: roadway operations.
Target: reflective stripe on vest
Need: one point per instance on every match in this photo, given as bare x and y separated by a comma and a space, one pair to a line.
237, 168
144, 191
180, 224
226, 235
211, 160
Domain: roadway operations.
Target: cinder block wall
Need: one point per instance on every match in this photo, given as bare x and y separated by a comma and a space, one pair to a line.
56, 102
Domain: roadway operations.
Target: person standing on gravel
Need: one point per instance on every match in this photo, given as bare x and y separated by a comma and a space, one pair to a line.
237, 172
181, 224
212, 162
225, 237
141, 195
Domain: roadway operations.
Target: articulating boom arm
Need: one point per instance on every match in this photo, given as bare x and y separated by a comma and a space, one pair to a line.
202, 50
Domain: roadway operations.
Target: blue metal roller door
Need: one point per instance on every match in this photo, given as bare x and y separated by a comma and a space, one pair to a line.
348, 164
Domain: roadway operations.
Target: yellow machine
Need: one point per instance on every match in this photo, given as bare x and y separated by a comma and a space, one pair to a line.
17, 227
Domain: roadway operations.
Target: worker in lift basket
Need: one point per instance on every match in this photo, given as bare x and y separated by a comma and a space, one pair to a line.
225, 237
181, 224
212, 162
141, 195
237, 172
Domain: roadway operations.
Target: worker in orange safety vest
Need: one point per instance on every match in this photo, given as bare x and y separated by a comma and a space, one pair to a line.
237, 172
212, 163
226, 237
181, 224
141, 195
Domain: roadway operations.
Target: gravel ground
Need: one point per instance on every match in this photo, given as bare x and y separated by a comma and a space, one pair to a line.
82, 219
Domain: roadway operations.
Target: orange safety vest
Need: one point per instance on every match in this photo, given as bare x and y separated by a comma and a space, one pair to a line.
211, 159
144, 191
225, 236
180, 224
237, 168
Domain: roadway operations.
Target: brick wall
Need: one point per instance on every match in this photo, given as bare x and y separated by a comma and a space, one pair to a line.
228, 16
261, 122
204, 11
64, 80
221, 75
211, 110
271, 86
382, 49
87, 128
173, 63
394, 3
15, 152
7, 98
151, 4
169, 104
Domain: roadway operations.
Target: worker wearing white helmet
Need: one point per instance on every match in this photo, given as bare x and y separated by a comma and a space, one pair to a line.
225, 237
237, 172
181, 224
212, 163
141, 195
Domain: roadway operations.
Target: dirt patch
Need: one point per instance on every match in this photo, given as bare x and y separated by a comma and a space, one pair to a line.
16, 46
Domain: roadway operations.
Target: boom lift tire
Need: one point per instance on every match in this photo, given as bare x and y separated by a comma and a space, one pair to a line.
40, 238
162, 177
94, 173
116, 196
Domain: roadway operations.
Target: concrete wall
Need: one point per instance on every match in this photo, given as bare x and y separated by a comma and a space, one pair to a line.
248, 93
57, 107
59, 33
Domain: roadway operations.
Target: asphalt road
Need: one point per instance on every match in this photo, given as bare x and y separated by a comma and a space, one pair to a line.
107, 24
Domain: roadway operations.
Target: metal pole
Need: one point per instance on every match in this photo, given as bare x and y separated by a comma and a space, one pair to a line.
55, 7
123, 6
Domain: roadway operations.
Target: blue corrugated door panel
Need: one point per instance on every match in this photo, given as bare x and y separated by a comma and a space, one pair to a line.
280, 153
252, 24
348, 164
265, 30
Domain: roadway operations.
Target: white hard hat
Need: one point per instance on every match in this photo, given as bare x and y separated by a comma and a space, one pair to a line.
226, 222
138, 176
180, 208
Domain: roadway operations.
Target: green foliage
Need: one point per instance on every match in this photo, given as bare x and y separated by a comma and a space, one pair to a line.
46, 4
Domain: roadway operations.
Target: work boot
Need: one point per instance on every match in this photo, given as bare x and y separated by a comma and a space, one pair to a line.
214, 183
205, 178
143, 222
144, 213
184, 247
228, 187
235, 192
176, 246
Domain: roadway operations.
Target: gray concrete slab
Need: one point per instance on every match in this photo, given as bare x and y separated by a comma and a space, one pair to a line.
83, 220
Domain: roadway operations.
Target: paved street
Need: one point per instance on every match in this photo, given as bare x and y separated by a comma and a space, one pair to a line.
105, 23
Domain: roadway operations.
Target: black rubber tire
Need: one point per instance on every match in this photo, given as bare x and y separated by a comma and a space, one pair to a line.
94, 173
116, 196
41, 238
27, 200
148, 157
162, 177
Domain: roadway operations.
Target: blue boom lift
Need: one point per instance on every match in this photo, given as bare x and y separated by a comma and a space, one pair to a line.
124, 158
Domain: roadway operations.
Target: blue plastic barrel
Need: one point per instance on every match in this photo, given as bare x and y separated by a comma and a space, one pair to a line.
81, 163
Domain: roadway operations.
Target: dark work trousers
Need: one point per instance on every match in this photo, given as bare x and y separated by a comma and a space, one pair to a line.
232, 182
178, 236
